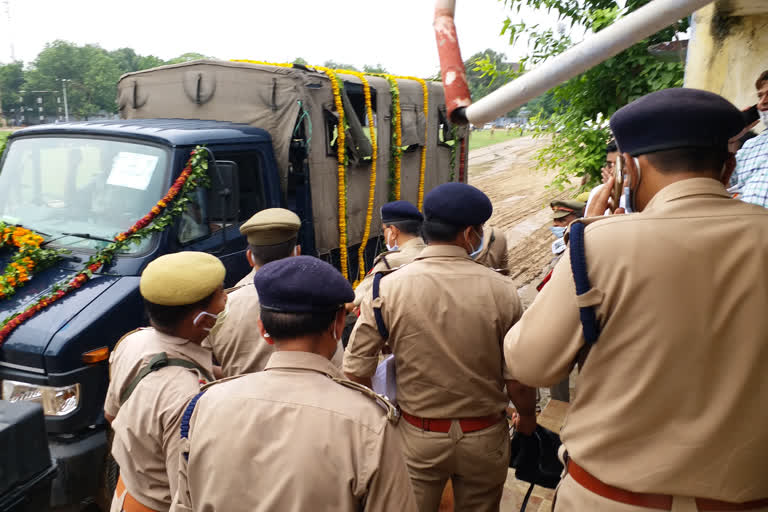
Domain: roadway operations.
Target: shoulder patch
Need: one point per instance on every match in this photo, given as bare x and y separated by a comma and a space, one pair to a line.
393, 414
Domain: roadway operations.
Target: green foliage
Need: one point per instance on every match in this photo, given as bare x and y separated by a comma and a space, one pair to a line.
299, 60
377, 68
332, 64
188, 57
578, 141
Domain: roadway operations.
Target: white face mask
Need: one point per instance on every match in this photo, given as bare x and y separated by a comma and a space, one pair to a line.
392, 247
763, 116
219, 319
477, 251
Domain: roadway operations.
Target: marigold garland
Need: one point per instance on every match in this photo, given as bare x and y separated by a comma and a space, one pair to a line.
341, 154
341, 157
372, 178
396, 136
157, 220
29, 258
423, 167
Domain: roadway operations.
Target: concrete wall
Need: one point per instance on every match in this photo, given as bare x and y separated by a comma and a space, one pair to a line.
729, 49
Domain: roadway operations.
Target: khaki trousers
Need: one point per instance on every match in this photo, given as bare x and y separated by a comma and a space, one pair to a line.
572, 497
476, 462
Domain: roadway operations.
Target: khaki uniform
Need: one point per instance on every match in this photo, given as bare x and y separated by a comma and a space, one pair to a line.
290, 438
447, 316
672, 397
237, 345
494, 253
386, 261
146, 427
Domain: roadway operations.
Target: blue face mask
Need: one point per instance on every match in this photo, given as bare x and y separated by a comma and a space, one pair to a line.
558, 231
477, 251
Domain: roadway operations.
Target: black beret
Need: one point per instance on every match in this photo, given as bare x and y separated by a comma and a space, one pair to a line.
400, 210
457, 204
676, 118
301, 284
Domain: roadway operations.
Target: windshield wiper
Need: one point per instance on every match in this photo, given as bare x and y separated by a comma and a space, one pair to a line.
89, 236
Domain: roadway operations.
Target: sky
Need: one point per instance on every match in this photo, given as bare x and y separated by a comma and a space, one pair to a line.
394, 33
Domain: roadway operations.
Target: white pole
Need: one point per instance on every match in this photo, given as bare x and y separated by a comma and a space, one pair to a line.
66, 107
634, 27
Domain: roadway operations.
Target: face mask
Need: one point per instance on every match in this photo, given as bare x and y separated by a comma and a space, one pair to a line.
558, 231
392, 247
558, 246
630, 205
219, 319
763, 116
477, 251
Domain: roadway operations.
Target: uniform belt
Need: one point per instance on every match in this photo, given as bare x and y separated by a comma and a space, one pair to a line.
130, 504
444, 425
647, 500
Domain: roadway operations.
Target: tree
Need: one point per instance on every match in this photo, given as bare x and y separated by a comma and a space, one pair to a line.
92, 72
578, 142
11, 82
377, 68
338, 65
187, 57
300, 61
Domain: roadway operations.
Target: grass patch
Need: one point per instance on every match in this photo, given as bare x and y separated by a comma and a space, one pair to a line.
483, 138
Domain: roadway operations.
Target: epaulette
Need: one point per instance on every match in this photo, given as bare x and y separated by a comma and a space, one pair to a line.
219, 381
118, 343
383, 257
393, 414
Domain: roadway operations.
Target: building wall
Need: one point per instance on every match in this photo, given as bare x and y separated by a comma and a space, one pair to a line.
729, 49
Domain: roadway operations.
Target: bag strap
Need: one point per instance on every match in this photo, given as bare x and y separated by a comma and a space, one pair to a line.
377, 307
587, 314
157, 362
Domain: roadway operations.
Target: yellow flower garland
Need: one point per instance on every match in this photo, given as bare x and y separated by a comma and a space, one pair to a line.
340, 156
426, 131
342, 169
372, 178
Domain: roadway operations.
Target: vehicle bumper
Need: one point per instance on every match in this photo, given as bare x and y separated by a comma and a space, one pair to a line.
80, 463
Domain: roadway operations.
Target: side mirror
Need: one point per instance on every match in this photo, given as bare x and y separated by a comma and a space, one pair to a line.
224, 197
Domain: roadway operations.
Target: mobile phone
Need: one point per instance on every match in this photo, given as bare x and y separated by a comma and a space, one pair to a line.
618, 182
750, 115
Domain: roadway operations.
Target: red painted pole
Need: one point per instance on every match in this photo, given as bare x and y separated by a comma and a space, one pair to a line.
457, 96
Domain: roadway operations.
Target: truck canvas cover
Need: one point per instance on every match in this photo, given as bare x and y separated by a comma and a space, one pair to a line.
274, 98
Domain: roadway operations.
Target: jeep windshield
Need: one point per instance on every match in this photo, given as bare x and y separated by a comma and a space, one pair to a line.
80, 191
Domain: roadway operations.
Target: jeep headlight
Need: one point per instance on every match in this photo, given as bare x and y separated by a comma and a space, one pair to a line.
56, 401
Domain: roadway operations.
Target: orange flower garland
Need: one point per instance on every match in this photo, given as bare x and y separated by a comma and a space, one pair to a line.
157, 220
29, 258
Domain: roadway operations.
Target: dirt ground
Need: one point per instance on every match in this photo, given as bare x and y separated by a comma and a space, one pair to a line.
507, 173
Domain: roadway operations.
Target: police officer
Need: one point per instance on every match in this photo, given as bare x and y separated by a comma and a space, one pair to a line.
446, 316
296, 436
494, 253
670, 405
155, 371
238, 345
401, 224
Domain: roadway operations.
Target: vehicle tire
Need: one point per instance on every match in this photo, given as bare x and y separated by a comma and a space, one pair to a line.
109, 476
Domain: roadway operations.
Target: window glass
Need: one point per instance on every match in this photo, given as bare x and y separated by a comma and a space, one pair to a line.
91, 186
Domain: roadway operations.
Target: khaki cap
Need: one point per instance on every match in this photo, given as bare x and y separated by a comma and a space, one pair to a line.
565, 208
181, 278
271, 226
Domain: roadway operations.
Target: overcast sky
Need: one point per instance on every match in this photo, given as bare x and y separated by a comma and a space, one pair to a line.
395, 33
